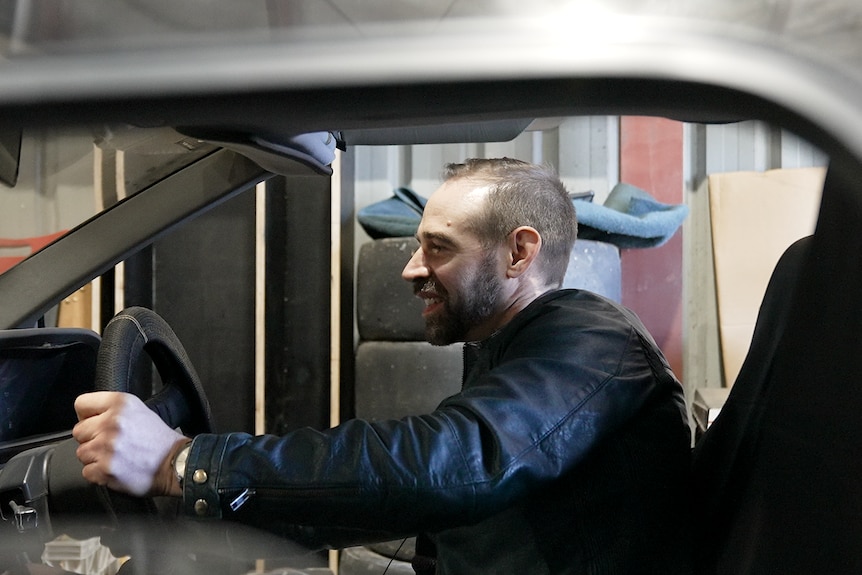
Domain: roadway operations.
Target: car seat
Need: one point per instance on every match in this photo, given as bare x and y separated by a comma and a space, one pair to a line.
776, 477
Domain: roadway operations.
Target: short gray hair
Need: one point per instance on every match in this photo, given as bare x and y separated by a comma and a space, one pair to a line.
523, 194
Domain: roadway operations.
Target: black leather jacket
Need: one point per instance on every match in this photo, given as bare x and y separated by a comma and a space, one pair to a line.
566, 452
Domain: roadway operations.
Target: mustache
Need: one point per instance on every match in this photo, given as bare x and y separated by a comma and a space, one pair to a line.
424, 285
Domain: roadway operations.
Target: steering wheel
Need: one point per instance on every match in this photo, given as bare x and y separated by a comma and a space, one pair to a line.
53, 497
135, 332
134, 335
61, 501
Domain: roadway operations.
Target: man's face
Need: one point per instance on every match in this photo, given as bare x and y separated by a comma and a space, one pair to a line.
459, 280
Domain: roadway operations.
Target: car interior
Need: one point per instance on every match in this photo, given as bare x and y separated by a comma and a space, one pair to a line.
774, 477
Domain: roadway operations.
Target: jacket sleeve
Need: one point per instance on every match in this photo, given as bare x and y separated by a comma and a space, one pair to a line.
550, 396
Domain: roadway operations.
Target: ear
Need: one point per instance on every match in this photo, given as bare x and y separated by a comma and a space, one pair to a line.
524, 244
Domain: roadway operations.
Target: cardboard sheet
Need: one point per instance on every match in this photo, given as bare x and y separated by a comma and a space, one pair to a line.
754, 216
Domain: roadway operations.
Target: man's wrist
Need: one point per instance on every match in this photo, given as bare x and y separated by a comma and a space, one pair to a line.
177, 466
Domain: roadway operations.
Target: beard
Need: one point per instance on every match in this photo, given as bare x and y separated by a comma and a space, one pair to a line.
476, 301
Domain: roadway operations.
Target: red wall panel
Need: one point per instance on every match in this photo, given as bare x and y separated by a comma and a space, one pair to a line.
651, 158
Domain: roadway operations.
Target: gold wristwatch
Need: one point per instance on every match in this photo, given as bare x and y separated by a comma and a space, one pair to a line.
179, 463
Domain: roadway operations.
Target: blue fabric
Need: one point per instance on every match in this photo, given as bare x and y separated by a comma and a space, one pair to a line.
629, 218
276, 153
393, 217
316, 150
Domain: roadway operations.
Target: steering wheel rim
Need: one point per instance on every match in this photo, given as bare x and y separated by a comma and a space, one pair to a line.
137, 333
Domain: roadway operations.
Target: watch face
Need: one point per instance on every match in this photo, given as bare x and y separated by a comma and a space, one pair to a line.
180, 462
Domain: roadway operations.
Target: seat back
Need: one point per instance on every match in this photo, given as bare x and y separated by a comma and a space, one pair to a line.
777, 476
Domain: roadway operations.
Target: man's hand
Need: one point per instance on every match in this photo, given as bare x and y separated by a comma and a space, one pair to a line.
124, 445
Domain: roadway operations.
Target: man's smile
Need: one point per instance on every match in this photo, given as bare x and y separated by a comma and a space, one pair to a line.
427, 292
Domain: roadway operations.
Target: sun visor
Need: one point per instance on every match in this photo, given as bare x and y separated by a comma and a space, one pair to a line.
285, 155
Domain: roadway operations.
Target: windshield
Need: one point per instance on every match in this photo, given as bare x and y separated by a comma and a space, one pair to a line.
54, 192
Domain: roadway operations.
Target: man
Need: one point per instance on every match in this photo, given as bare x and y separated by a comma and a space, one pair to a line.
565, 452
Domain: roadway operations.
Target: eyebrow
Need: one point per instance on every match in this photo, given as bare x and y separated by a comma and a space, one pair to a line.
436, 237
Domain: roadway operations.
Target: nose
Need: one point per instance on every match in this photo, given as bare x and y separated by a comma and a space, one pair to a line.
416, 267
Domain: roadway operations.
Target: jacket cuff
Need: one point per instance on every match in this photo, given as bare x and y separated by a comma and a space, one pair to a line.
200, 483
